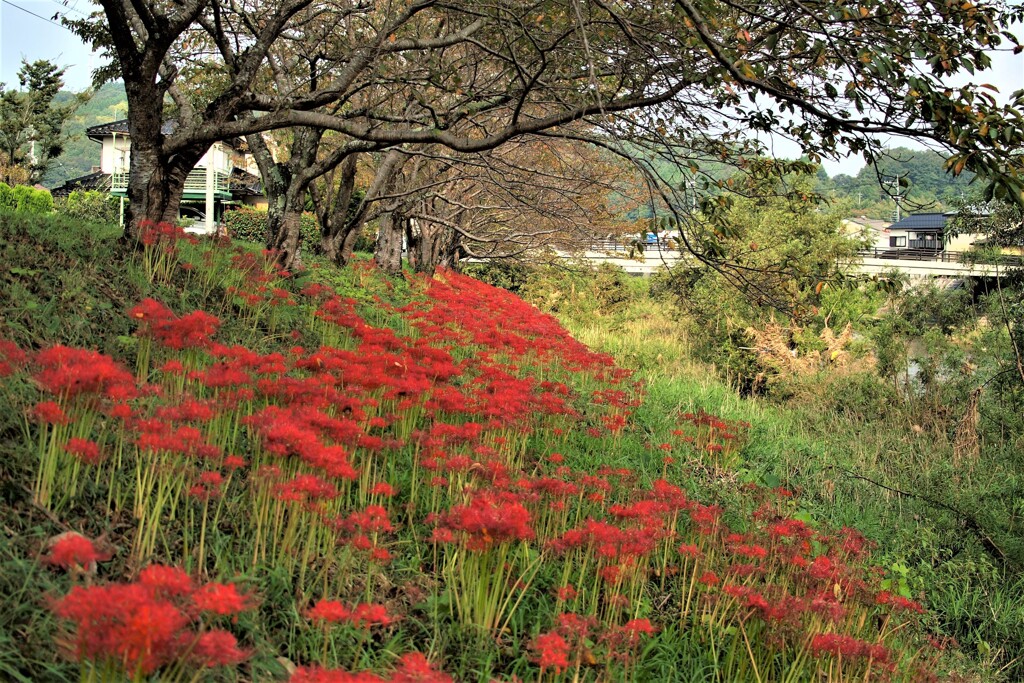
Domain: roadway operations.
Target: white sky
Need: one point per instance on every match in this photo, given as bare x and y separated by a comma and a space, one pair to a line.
27, 30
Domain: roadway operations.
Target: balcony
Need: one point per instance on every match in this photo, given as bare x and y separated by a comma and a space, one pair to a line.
195, 183
931, 245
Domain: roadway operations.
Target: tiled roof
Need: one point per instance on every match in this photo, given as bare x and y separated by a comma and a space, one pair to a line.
121, 128
99, 181
243, 183
922, 222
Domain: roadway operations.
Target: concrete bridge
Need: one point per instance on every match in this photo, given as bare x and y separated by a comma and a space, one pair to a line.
913, 263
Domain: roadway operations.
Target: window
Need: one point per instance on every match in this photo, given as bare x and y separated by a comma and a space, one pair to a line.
898, 241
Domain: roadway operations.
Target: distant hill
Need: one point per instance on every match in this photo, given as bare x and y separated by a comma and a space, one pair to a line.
81, 154
922, 177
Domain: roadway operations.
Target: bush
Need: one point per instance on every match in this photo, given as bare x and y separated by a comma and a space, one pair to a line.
89, 206
250, 225
7, 200
507, 274
30, 200
25, 199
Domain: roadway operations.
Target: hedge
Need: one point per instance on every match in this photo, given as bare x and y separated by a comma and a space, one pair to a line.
89, 206
250, 225
25, 199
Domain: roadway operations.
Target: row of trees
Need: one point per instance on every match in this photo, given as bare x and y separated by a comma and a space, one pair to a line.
429, 89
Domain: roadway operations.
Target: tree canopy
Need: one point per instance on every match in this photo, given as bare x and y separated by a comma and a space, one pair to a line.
693, 75
31, 122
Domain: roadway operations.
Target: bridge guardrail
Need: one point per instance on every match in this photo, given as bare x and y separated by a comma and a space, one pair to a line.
940, 256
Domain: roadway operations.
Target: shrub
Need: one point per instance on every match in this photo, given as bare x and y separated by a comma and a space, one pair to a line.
7, 200
89, 206
250, 225
25, 199
507, 274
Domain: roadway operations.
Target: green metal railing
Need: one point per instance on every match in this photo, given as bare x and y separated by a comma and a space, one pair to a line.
195, 183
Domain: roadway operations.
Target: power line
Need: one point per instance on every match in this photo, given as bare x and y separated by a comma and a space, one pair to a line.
37, 16
69, 8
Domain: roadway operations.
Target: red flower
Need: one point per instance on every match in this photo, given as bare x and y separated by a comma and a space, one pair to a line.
49, 413
413, 667
365, 615
125, 624
164, 581
898, 602
71, 550
220, 598
709, 579
328, 611
217, 648
551, 652
85, 450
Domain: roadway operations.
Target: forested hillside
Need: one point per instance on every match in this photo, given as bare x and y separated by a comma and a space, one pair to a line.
81, 154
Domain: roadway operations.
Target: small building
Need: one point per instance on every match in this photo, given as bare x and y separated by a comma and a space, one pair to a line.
922, 231
927, 232
226, 173
873, 233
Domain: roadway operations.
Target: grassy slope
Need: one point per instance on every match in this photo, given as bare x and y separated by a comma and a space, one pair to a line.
57, 268
868, 468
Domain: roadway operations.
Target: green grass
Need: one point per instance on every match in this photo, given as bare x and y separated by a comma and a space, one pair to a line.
860, 466
813, 446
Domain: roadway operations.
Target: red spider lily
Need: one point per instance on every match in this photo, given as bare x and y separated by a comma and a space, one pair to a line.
69, 372
623, 641
790, 528
328, 612
125, 624
380, 555
11, 358
689, 550
709, 578
566, 592
823, 567
221, 599
48, 412
828, 606
746, 596
551, 651
166, 582
847, 647
216, 648
363, 615
162, 325
85, 450
208, 486
164, 233
72, 551
490, 517
898, 602
413, 667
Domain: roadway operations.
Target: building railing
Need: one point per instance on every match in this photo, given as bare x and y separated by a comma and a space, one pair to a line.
931, 254
934, 245
195, 183
627, 244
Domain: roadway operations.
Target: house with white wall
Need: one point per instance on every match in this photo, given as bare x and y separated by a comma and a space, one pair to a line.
226, 175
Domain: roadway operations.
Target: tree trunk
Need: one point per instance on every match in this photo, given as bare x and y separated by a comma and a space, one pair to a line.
333, 207
383, 181
284, 224
432, 246
155, 187
286, 186
388, 250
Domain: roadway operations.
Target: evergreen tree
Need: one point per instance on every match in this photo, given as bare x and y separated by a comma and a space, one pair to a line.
31, 122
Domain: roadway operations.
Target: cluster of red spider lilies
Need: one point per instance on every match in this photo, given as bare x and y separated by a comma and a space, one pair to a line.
463, 434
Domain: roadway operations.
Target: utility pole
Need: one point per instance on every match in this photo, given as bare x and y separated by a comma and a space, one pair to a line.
209, 188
